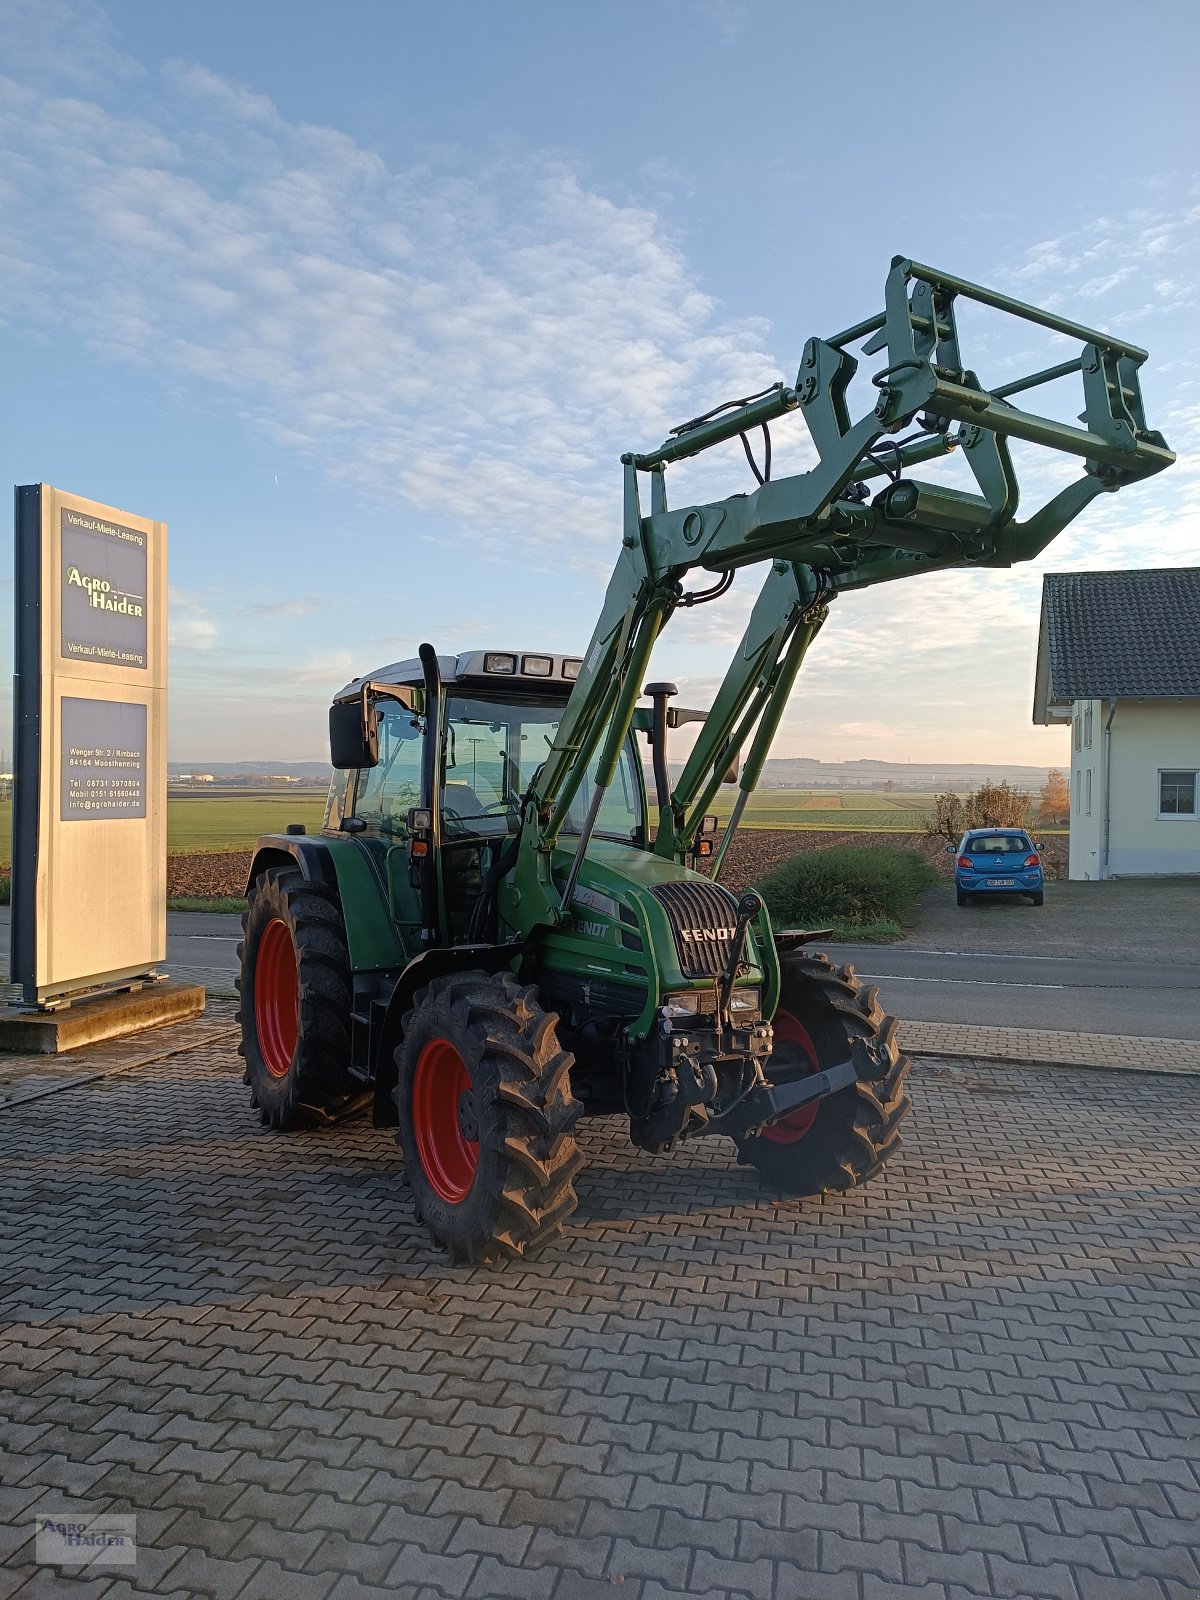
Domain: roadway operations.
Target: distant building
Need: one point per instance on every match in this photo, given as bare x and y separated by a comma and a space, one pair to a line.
203, 777
1119, 660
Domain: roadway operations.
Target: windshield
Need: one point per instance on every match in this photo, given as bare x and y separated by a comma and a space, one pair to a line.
492, 750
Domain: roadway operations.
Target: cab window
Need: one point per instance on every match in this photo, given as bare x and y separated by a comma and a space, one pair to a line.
385, 793
492, 750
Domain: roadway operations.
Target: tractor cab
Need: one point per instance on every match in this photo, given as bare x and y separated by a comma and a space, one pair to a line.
447, 809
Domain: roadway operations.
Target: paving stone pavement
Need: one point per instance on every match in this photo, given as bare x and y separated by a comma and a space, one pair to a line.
979, 1376
27, 1077
1051, 1047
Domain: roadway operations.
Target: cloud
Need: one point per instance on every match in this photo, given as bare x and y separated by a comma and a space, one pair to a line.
479, 334
68, 41
299, 606
192, 625
479, 339
1148, 244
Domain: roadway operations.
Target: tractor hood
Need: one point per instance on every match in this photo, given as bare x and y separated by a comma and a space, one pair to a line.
641, 927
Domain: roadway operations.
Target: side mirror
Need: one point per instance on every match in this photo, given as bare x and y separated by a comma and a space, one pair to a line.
353, 735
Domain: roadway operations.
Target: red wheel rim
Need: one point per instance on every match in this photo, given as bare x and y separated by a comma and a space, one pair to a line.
448, 1157
792, 1128
276, 998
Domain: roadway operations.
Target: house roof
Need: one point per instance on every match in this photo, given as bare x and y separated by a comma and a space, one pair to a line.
1105, 635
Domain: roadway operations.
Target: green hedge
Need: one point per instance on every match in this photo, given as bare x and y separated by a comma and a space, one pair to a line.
850, 887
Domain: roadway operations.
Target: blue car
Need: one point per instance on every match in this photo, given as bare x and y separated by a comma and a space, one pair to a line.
998, 861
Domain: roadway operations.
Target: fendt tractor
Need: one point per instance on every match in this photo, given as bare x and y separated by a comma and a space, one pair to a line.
495, 932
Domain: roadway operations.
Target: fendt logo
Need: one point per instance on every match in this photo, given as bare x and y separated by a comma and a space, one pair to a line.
707, 935
101, 594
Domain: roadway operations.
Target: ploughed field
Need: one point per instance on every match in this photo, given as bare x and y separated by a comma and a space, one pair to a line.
754, 852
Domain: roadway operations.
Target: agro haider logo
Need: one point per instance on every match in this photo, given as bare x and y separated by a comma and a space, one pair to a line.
102, 596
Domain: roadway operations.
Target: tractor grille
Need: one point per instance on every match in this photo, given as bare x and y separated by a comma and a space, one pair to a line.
702, 918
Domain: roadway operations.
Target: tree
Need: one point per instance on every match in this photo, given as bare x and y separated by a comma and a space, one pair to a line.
1055, 799
947, 819
992, 805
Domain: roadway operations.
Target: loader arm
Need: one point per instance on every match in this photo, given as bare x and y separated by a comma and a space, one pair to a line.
824, 531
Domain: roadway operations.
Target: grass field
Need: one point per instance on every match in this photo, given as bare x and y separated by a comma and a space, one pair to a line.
232, 820
218, 821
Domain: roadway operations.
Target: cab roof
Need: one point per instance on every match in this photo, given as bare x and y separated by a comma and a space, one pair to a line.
525, 669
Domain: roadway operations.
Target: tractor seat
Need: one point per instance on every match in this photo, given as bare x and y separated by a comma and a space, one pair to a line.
459, 801
461, 810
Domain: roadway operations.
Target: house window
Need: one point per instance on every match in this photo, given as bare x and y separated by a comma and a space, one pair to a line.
1088, 803
1077, 789
1087, 728
1176, 794
1077, 729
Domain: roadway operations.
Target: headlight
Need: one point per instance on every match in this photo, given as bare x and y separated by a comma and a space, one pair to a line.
681, 1005
744, 1000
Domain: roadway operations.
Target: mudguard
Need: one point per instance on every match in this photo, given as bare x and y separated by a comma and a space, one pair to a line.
423, 969
340, 867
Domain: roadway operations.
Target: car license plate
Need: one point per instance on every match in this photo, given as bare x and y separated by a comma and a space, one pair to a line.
1001, 883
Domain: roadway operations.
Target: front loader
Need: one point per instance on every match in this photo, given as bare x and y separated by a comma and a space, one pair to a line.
497, 930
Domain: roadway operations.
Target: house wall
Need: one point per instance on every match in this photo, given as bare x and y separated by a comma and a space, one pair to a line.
1147, 736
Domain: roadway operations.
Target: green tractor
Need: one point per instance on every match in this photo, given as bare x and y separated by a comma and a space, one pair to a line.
497, 930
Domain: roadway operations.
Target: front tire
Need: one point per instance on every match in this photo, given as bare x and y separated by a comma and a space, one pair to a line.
295, 1002
844, 1139
486, 1117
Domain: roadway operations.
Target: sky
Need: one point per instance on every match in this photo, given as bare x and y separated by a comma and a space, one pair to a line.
366, 301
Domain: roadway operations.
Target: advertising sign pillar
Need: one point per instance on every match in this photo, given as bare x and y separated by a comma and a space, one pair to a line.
89, 855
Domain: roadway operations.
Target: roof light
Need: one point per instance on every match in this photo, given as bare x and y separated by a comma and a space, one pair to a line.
499, 663
537, 666
570, 669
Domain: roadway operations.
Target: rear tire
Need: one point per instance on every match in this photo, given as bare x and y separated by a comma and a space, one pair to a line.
295, 1002
486, 1117
849, 1135
1038, 899
962, 898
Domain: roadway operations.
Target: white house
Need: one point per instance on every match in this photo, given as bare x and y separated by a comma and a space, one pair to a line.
1119, 660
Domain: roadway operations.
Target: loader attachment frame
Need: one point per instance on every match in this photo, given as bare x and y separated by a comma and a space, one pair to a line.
823, 531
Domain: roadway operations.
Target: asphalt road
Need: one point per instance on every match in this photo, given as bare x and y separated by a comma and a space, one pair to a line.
1101, 993
1090, 994
1085, 994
